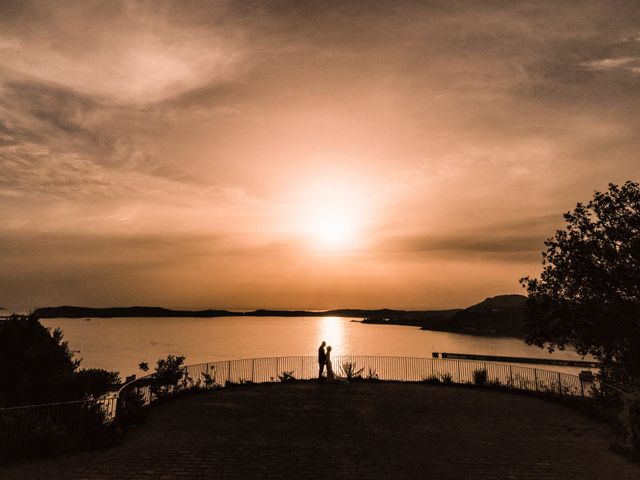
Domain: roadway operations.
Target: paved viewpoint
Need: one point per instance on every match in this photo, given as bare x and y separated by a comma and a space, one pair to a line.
341, 431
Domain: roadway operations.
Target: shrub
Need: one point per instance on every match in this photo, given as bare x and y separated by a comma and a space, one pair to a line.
242, 381
630, 418
351, 371
93, 382
130, 407
372, 375
431, 380
446, 378
35, 363
57, 428
209, 380
286, 376
169, 372
480, 377
37, 366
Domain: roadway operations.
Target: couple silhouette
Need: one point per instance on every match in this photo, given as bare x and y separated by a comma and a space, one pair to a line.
324, 360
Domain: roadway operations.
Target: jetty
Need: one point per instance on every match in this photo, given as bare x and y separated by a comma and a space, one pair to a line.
506, 359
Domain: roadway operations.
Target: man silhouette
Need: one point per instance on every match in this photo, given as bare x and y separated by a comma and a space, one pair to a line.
322, 360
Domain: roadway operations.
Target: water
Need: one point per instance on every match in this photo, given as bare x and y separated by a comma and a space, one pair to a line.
122, 343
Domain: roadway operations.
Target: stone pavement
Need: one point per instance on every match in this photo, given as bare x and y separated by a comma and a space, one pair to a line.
348, 431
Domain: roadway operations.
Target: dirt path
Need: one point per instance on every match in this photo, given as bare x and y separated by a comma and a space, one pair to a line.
332, 432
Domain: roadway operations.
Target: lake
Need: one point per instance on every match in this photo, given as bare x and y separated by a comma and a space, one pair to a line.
122, 343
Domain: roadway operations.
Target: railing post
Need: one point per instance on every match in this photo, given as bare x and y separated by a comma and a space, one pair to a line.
559, 385
253, 369
228, 370
535, 375
510, 376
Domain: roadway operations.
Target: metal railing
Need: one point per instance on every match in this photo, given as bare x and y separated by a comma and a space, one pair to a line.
55, 426
69, 425
146, 390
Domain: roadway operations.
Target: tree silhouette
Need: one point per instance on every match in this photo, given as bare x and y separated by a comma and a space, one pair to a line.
588, 295
37, 366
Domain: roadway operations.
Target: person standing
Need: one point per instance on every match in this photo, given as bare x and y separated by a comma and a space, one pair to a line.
331, 377
322, 360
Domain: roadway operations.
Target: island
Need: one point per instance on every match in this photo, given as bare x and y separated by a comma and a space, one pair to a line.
499, 316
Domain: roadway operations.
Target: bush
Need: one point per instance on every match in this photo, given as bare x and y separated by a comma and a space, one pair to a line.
242, 381
168, 375
624, 410
431, 380
36, 367
52, 429
446, 378
633, 425
351, 371
35, 363
286, 376
130, 407
94, 382
480, 377
209, 380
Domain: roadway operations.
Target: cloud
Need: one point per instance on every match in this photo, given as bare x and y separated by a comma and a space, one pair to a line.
121, 51
514, 241
630, 64
463, 123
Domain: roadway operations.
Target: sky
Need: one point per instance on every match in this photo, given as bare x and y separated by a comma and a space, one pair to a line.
302, 154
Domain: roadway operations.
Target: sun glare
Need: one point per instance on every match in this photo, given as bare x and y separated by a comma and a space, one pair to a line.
331, 228
332, 213
332, 331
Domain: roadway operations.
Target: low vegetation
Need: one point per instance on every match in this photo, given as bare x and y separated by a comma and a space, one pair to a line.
351, 371
480, 377
37, 367
286, 376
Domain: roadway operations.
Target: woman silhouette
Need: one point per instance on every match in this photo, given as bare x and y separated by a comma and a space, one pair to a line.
330, 375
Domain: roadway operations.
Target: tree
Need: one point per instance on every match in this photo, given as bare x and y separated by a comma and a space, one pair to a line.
34, 362
37, 366
169, 372
588, 295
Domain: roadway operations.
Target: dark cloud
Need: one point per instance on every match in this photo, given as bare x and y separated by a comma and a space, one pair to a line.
521, 241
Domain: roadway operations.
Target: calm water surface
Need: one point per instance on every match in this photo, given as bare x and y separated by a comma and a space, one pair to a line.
122, 343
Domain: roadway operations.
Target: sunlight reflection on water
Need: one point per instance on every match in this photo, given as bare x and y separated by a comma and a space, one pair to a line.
332, 331
122, 343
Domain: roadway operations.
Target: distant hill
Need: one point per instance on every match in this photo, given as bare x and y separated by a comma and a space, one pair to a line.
114, 312
500, 316
500, 302
67, 311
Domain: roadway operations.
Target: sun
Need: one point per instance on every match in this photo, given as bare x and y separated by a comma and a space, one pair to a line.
331, 213
331, 228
